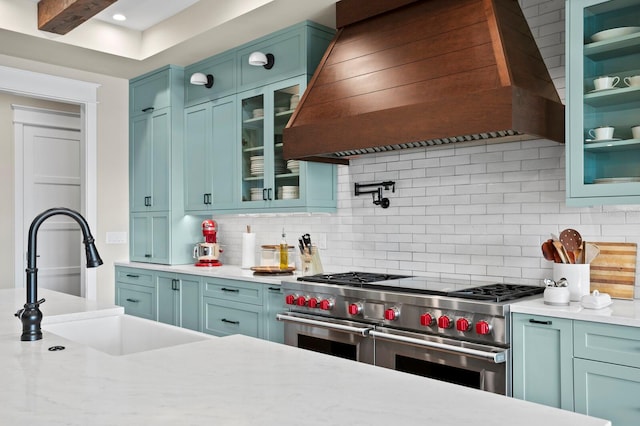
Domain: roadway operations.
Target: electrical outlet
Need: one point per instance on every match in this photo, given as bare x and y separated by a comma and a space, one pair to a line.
116, 238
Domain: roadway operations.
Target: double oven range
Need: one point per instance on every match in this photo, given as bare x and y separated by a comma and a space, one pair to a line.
452, 331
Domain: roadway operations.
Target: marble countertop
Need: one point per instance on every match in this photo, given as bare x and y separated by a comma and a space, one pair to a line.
235, 380
232, 272
620, 312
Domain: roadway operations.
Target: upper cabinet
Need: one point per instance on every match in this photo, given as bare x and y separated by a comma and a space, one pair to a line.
603, 102
233, 160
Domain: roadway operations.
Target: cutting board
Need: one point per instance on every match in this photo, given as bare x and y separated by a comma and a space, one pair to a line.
613, 271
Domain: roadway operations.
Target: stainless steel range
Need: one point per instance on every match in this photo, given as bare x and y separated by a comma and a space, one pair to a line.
452, 331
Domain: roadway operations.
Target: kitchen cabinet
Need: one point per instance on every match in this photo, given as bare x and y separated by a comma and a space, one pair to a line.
135, 291
209, 155
273, 304
268, 181
179, 300
232, 307
158, 232
602, 171
596, 366
542, 360
223, 69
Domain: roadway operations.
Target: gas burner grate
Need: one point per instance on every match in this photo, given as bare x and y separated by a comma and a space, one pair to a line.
497, 292
351, 278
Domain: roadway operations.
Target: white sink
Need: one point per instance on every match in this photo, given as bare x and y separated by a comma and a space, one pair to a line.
124, 334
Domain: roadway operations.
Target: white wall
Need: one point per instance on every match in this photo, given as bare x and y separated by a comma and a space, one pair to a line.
458, 212
112, 174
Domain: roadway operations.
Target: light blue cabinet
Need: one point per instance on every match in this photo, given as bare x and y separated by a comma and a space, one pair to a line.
209, 156
136, 292
223, 69
592, 368
602, 171
179, 300
542, 360
273, 304
268, 181
158, 232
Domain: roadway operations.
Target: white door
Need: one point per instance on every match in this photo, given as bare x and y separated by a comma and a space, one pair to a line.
52, 177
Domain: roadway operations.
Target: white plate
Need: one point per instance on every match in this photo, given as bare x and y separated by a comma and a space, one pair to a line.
605, 89
601, 140
614, 32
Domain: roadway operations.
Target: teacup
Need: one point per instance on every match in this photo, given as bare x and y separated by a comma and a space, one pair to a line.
601, 133
635, 131
605, 82
632, 81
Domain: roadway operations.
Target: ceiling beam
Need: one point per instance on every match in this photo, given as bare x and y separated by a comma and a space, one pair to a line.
61, 16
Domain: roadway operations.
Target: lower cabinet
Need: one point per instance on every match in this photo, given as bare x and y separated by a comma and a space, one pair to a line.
217, 306
179, 300
592, 368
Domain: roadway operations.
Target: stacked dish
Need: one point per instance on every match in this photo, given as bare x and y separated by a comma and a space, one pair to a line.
288, 192
257, 165
258, 112
256, 194
280, 166
293, 166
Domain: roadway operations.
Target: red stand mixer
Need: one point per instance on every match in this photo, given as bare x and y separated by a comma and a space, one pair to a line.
208, 252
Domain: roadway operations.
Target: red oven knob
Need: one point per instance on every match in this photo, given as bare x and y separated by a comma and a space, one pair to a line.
312, 302
355, 308
426, 319
391, 314
326, 305
462, 324
444, 322
483, 327
290, 299
301, 301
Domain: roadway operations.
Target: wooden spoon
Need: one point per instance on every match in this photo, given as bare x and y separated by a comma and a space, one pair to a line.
571, 240
564, 257
548, 250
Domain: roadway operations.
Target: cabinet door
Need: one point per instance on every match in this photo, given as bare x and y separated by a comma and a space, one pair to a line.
223, 156
139, 163
160, 160
168, 299
607, 391
602, 170
149, 237
274, 304
150, 92
197, 161
190, 301
542, 350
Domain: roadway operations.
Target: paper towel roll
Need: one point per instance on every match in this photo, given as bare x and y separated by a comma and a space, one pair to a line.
248, 250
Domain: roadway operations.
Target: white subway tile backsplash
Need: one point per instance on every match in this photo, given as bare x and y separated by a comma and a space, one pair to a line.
466, 212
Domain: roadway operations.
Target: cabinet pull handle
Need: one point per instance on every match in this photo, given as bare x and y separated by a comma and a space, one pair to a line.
269, 193
133, 276
231, 290
209, 201
147, 201
533, 321
147, 255
175, 285
148, 109
230, 322
133, 300
274, 289
264, 194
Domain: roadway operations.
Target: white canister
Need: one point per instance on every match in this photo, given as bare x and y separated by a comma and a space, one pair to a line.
578, 277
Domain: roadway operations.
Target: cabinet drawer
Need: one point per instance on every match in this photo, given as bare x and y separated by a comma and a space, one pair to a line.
615, 344
223, 318
134, 276
238, 291
137, 300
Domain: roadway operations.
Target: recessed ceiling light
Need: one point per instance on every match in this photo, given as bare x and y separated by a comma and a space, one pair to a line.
119, 17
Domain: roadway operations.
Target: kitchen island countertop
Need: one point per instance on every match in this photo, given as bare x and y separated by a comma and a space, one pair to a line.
235, 380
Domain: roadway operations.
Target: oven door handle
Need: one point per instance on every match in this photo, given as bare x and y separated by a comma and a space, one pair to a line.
496, 357
363, 331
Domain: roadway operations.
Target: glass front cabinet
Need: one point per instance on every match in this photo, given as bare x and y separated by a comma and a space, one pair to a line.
267, 179
603, 102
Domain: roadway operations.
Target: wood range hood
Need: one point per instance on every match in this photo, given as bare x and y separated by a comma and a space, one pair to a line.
418, 73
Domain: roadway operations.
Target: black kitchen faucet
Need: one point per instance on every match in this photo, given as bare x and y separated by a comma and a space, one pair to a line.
30, 315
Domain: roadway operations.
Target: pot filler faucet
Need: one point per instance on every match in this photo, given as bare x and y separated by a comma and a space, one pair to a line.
30, 315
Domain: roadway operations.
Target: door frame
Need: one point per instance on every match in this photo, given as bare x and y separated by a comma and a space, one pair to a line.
67, 90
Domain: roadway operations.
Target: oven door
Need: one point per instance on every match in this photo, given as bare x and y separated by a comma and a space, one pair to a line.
464, 363
341, 338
